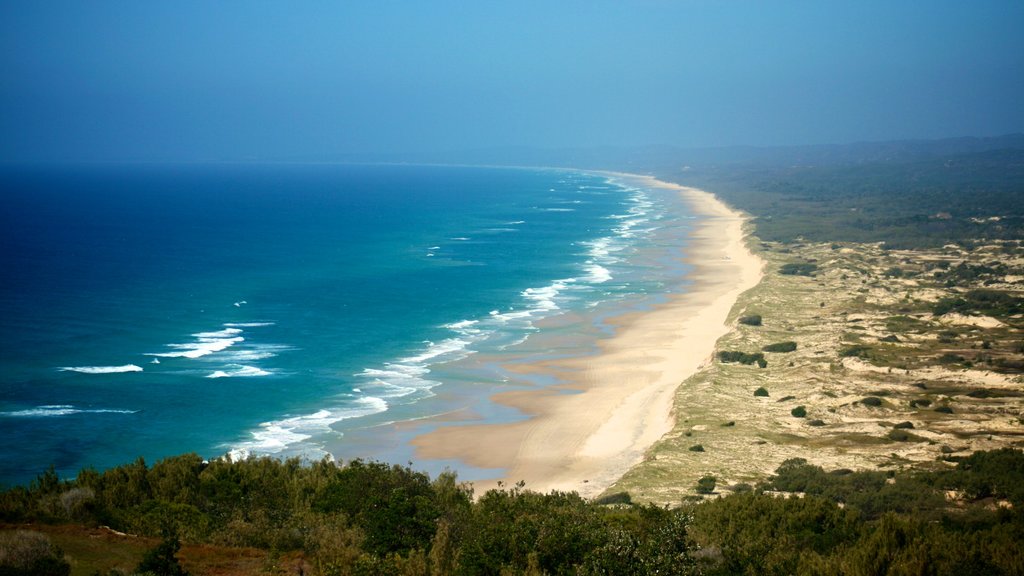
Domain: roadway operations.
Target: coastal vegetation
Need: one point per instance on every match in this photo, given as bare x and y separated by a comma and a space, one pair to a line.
187, 516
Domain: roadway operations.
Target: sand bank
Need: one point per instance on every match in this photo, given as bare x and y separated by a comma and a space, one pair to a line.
608, 408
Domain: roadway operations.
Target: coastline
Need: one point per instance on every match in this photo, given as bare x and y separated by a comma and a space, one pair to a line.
607, 409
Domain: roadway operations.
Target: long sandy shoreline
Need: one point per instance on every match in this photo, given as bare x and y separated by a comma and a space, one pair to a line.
588, 430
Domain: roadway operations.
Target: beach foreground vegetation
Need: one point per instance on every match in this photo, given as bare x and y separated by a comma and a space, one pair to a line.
184, 515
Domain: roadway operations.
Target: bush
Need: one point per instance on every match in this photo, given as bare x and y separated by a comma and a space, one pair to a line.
27, 553
798, 269
696, 448
761, 392
787, 346
706, 485
856, 351
799, 412
734, 356
752, 320
901, 436
162, 561
873, 401
904, 426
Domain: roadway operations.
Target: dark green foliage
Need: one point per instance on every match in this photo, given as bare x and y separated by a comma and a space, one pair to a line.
734, 356
999, 473
873, 401
889, 523
799, 412
868, 492
706, 484
899, 435
856, 351
787, 346
761, 392
752, 320
757, 534
950, 358
891, 338
616, 498
981, 301
944, 410
391, 504
798, 269
921, 402
696, 448
161, 561
904, 426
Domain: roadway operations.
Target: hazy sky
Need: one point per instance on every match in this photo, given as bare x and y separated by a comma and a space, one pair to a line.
93, 79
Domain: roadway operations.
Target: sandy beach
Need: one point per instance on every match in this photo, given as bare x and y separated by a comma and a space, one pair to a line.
586, 431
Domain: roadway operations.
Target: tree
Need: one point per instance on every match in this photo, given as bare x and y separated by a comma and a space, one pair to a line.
161, 561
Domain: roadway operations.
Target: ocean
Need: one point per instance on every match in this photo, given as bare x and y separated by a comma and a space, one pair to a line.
295, 309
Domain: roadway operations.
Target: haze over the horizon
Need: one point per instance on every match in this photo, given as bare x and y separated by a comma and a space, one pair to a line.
198, 80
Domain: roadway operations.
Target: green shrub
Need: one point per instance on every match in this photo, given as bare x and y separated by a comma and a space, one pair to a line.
904, 426
616, 498
799, 412
752, 320
902, 436
798, 269
856, 351
734, 356
696, 448
787, 346
706, 484
761, 392
873, 401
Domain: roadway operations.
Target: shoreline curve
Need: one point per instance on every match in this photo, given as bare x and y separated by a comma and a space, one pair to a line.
585, 432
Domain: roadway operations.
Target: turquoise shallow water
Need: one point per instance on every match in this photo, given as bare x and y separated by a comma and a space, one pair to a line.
149, 310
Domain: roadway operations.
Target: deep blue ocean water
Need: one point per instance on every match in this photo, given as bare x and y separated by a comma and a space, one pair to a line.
150, 310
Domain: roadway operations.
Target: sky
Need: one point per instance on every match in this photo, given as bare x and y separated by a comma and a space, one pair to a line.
206, 80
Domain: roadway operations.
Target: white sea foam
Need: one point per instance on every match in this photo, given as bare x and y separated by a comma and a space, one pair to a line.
61, 410
102, 369
225, 333
597, 274
198, 349
205, 343
247, 324
280, 435
559, 209
544, 298
239, 370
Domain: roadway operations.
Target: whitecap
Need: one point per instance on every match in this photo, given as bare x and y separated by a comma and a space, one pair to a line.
239, 371
279, 435
597, 274
203, 347
50, 411
247, 324
102, 369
